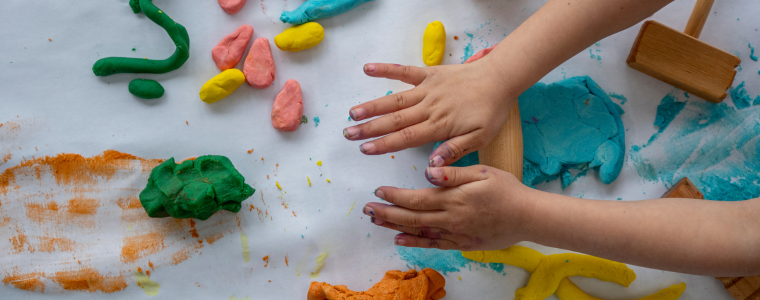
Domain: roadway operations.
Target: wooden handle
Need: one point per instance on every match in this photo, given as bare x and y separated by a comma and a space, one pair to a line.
505, 152
698, 17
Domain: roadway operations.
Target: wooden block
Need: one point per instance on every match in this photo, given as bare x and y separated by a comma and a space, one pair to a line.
505, 151
683, 61
741, 288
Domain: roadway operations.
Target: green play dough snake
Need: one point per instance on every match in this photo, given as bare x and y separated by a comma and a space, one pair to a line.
146, 88
178, 33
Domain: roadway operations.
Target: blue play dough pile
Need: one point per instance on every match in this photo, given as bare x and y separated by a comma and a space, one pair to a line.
318, 9
569, 125
715, 145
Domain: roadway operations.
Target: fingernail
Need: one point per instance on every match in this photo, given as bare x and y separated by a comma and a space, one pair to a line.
399, 241
436, 161
380, 194
350, 132
433, 174
369, 68
357, 113
368, 211
397, 65
367, 147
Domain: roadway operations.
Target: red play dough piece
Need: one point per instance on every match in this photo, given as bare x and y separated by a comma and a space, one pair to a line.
288, 107
480, 54
230, 50
231, 6
259, 65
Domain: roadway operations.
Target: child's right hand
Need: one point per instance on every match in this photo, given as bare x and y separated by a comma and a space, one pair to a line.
464, 104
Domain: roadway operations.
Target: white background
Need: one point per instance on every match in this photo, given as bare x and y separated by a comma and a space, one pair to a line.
51, 83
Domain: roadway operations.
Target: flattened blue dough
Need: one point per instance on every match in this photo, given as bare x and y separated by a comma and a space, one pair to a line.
569, 124
318, 9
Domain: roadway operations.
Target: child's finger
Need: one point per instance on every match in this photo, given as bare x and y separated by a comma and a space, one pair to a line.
386, 124
408, 240
433, 233
408, 74
386, 104
455, 176
398, 215
423, 199
455, 148
409, 137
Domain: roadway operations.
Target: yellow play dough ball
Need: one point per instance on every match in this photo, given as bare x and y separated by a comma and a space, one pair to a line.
300, 37
222, 85
433, 43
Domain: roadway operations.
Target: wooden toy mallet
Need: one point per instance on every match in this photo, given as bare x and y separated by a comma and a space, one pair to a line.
682, 60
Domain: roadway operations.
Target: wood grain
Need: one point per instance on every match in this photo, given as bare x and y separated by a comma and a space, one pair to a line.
505, 151
698, 17
741, 288
683, 61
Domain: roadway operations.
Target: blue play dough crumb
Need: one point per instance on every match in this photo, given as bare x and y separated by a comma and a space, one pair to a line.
622, 98
443, 261
318, 9
714, 145
569, 126
316, 121
752, 52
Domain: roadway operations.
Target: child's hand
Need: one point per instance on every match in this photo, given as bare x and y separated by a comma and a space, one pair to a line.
465, 103
477, 208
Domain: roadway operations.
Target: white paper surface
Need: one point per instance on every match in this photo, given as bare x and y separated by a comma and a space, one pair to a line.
47, 87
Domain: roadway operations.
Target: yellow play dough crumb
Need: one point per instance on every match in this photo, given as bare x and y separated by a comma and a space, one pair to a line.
433, 44
328, 180
278, 185
307, 178
300, 37
221, 85
319, 163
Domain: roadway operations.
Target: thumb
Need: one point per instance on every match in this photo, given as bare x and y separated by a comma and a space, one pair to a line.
454, 149
455, 176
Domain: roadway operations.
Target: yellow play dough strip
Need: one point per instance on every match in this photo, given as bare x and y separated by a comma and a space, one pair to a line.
529, 259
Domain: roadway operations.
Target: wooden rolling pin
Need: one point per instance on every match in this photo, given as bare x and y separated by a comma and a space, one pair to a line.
505, 151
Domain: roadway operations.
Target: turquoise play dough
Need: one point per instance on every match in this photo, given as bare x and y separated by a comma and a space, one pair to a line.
318, 9
569, 125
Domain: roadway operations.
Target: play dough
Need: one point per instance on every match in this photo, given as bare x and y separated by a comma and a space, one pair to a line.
230, 50
231, 6
288, 107
221, 85
480, 54
194, 188
146, 88
178, 33
317, 9
433, 43
427, 284
259, 65
300, 37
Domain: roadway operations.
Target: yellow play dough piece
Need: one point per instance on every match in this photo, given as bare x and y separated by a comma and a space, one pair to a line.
552, 269
300, 37
433, 43
222, 85
529, 259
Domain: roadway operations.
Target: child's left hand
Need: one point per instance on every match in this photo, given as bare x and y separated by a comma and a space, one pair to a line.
476, 208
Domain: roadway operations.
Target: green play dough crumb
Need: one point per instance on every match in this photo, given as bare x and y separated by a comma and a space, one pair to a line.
146, 88
194, 188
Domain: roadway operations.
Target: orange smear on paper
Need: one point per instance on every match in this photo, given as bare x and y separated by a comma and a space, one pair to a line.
6, 157
50, 244
139, 269
250, 151
294, 213
150, 264
90, 280
180, 256
18, 242
214, 237
136, 247
193, 232
266, 259
29, 281
147, 272
83, 206
129, 203
286, 260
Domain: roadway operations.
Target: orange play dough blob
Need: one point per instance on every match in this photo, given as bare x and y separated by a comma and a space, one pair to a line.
259, 65
426, 284
288, 107
230, 50
231, 6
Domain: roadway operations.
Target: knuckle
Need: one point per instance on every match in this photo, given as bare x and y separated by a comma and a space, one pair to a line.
400, 101
434, 243
456, 150
407, 135
365, 128
396, 119
374, 107
406, 71
415, 201
412, 221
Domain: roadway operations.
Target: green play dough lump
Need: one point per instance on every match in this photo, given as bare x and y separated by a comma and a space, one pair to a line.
146, 88
194, 188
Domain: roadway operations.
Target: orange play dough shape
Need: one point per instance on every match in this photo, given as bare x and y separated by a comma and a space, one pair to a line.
231, 6
259, 65
426, 284
288, 107
229, 51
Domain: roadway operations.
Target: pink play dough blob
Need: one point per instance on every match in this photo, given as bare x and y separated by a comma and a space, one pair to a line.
480, 54
230, 50
259, 65
231, 6
288, 107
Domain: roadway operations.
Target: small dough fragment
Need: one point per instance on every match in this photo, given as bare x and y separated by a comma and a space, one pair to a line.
229, 51
300, 37
316, 9
231, 6
433, 44
288, 107
427, 284
480, 54
221, 85
259, 67
146, 88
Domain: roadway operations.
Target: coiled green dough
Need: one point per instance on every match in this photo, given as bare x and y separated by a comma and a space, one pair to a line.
178, 33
